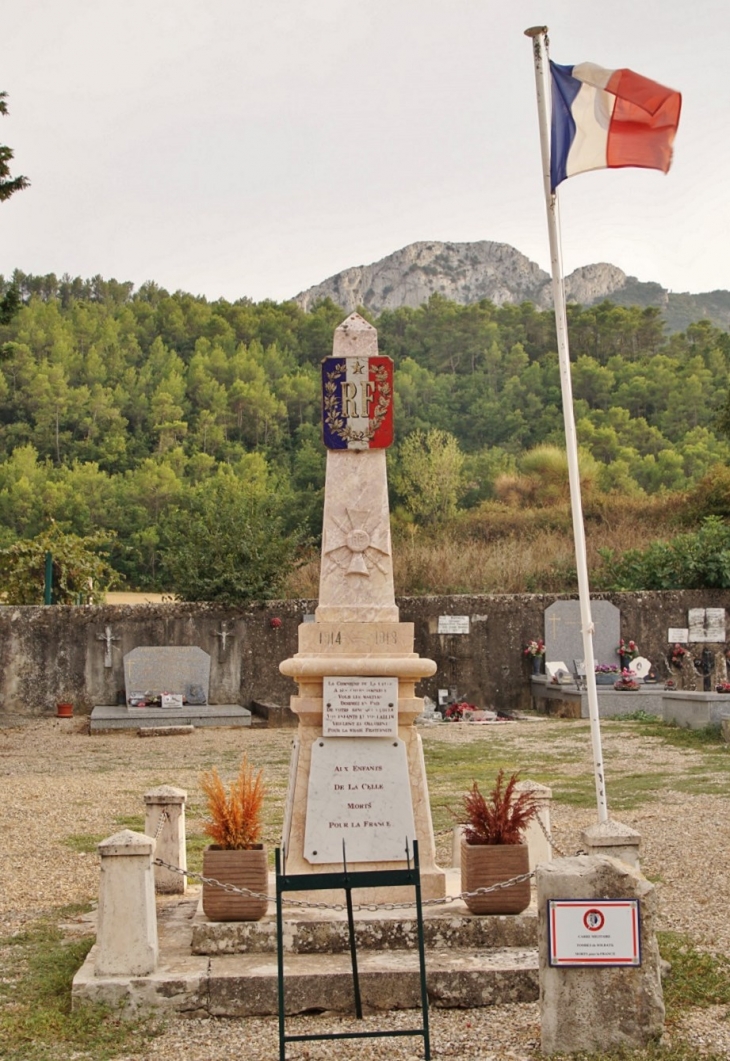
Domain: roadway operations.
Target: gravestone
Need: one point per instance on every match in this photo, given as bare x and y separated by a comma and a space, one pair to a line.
179, 669
563, 637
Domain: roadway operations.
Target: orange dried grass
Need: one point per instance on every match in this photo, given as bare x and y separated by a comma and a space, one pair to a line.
503, 817
236, 817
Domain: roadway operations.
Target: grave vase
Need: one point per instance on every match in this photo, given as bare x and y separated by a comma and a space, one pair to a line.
537, 664
485, 864
242, 869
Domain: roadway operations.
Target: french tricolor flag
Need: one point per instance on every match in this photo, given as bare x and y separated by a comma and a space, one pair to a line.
608, 119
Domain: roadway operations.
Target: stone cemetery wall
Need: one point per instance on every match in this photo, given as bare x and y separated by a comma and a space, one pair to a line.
60, 653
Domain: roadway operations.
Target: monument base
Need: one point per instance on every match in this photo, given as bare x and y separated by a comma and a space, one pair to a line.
369, 793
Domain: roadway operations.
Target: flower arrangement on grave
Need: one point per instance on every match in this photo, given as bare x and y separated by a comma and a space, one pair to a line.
627, 649
677, 655
455, 712
535, 648
627, 682
722, 687
493, 846
237, 855
606, 668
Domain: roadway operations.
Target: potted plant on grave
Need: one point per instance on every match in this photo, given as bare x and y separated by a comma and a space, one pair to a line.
606, 673
535, 651
627, 682
237, 856
493, 847
626, 651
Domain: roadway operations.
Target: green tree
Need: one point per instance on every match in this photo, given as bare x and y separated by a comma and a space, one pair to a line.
80, 574
428, 475
8, 185
227, 545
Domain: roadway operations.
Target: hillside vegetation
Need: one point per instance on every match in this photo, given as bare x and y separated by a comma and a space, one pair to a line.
164, 420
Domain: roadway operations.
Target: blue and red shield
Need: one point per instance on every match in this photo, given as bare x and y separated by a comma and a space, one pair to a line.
357, 402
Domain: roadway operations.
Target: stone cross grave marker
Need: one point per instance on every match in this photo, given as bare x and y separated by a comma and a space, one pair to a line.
181, 669
563, 637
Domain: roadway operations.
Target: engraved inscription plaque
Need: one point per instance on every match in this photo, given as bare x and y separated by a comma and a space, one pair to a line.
360, 707
359, 792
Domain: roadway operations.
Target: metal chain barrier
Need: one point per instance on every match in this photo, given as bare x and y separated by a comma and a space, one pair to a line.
371, 907
164, 816
549, 838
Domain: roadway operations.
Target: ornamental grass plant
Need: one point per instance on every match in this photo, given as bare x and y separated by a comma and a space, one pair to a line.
235, 816
502, 817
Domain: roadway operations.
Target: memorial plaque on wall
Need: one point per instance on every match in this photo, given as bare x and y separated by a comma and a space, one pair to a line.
678, 635
359, 792
360, 707
707, 624
453, 624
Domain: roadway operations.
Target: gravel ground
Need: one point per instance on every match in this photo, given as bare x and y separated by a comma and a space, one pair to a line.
61, 789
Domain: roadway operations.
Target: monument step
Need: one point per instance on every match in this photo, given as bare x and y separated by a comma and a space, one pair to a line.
241, 985
111, 717
246, 985
444, 927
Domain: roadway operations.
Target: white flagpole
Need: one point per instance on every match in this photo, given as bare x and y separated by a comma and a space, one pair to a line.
542, 82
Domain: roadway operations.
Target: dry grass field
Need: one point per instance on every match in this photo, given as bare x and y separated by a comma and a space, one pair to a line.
498, 549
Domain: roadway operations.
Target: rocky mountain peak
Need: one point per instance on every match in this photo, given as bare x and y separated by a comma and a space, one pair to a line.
461, 272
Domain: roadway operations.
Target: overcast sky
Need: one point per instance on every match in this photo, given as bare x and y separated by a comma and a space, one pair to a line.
255, 147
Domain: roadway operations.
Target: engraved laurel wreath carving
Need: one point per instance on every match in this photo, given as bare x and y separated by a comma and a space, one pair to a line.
333, 419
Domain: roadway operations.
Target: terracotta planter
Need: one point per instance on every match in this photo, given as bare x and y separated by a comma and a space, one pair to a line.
64, 710
243, 869
485, 864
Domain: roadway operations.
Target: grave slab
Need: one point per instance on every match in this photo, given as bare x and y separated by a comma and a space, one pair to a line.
111, 717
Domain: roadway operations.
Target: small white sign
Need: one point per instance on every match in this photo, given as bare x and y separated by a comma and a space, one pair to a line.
172, 701
678, 635
360, 707
600, 932
359, 792
453, 624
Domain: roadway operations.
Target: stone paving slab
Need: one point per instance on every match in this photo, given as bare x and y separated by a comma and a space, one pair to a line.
111, 717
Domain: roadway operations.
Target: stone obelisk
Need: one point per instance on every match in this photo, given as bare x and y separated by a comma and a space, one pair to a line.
357, 772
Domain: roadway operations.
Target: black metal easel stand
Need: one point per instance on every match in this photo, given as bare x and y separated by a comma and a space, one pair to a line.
389, 878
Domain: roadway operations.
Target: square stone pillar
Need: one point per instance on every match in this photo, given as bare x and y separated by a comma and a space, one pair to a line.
591, 1009
165, 821
126, 934
613, 839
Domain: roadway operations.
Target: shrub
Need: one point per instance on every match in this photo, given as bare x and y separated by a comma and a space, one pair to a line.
236, 822
503, 817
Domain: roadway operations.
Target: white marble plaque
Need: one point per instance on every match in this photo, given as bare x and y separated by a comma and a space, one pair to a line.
641, 666
706, 624
453, 624
678, 635
360, 707
359, 792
